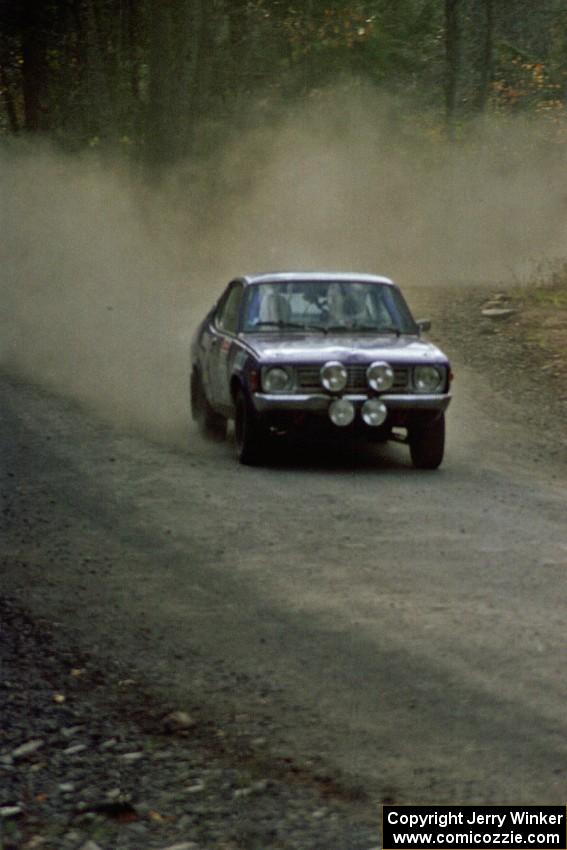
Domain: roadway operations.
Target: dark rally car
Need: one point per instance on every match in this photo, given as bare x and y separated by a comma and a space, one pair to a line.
318, 354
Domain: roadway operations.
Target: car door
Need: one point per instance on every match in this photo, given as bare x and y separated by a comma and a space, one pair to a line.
223, 336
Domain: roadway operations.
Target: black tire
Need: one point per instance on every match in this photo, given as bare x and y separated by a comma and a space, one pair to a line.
211, 424
427, 442
250, 437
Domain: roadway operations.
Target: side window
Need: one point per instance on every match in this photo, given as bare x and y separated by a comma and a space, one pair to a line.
227, 314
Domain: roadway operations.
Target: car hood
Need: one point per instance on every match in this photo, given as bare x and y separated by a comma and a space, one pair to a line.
348, 348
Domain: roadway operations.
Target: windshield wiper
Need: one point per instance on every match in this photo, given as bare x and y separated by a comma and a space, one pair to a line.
364, 328
293, 325
388, 329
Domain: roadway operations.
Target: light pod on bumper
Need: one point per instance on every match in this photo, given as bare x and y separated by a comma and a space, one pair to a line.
374, 412
333, 376
380, 376
341, 412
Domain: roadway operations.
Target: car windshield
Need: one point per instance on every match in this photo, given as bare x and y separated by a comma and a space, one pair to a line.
326, 306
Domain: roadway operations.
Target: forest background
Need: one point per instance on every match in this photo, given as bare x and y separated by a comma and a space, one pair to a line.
164, 79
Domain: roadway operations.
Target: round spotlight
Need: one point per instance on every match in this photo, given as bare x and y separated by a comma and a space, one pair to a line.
380, 376
333, 376
374, 412
341, 412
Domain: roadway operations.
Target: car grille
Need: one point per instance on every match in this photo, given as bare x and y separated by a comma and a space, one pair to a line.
309, 379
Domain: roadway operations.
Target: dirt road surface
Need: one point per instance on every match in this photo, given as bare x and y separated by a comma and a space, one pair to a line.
405, 629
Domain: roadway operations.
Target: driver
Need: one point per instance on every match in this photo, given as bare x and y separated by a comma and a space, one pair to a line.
347, 305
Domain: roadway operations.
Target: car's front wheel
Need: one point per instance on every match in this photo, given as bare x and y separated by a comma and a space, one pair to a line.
427, 442
249, 435
211, 424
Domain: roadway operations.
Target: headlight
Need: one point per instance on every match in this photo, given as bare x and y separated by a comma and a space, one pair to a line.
277, 380
380, 376
374, 412
428, 379
333, 376
341, 412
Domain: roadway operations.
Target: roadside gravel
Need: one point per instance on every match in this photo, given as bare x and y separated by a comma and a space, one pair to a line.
520, 355
523, 354
89, 760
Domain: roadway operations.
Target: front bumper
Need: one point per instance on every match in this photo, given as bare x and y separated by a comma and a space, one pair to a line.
319, 402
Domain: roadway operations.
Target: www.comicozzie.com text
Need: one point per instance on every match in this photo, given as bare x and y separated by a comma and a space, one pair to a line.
444, 819
492, 839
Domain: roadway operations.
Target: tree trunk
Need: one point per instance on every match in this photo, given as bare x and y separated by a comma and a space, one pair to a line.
9, 101
485, 80
157, 131
452, 52
34, 67
130, 38
100, 94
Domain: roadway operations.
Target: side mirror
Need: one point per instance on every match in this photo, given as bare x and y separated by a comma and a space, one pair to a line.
423, 325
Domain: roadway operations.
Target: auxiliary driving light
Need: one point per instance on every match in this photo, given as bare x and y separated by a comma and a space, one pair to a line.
333, 376
341, 412
380, 376
374, 412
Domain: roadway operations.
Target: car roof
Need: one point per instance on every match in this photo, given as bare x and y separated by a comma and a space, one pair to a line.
316, 277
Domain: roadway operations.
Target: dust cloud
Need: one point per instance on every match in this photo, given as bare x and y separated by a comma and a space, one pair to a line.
103, 279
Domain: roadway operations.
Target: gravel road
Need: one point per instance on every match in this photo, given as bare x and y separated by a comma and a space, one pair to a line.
351, 630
